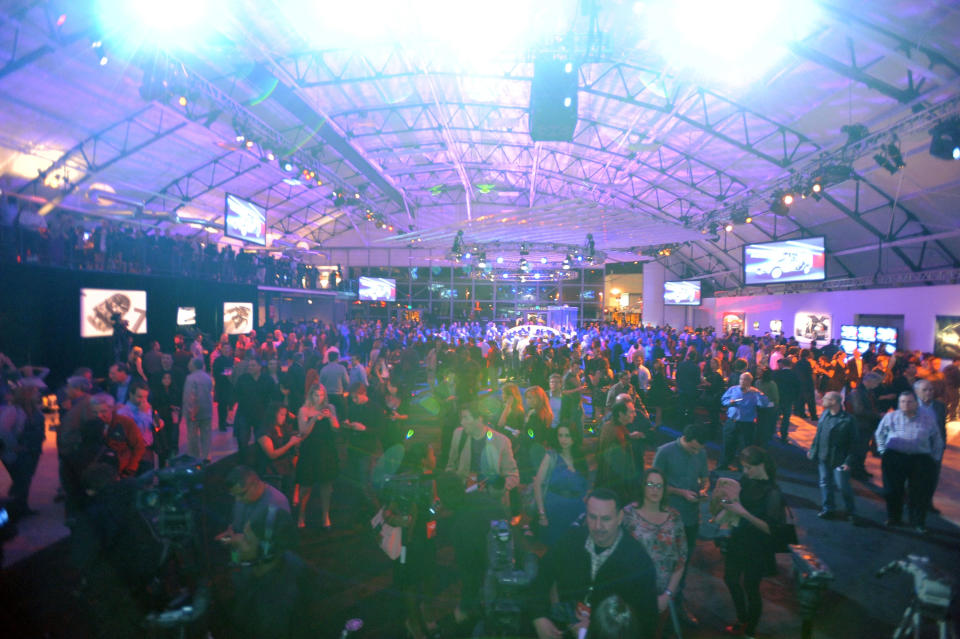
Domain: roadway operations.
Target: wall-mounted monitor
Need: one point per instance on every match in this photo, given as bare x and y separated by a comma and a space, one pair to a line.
787, 261
378, 289
244, 220
682, 293
853, 336
237, 318
186, 316
99, 306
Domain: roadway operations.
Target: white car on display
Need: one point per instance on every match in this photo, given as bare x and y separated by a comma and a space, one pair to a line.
776, 265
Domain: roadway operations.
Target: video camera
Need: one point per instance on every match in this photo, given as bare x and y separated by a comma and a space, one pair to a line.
164, 499
505, 587
406, 490
933, 588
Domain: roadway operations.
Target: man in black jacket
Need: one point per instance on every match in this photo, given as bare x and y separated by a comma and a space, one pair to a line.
254, 392
587, 566
925, 391
833, 449
862, 402
789, 386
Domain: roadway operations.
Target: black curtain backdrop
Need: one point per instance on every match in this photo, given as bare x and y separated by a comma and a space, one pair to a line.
40, 314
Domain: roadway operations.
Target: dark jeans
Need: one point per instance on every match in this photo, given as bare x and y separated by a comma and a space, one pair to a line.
766, 426
862, 446
223, 410
830, 479
910, 474
243, 431
742, 574
691, 532
22, 470
736, 435
807, 400
785, 409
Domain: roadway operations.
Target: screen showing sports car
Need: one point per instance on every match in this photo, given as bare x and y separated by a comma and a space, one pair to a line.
788, 261
101, 308
378, 289
244, 220
682, 293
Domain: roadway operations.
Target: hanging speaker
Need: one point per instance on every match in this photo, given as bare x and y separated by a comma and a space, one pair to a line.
553, 100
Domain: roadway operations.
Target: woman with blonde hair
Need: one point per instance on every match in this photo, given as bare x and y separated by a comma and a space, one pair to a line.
539, 415
318, 463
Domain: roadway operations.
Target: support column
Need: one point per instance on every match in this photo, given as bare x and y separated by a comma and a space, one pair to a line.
653, 277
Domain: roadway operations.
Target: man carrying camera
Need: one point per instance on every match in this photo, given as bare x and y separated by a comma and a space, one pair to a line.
589, 565
483, 459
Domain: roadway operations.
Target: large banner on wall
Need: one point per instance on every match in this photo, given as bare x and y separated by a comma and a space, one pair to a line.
734, 322
946, 336
812, 327
98, 307
237, 318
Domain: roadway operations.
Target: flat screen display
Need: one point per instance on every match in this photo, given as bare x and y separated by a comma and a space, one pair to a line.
99, 305
848, 332
244, 220
887, 334
682, 293
788, 261
867, 333
186, 316
237, 318
378, 289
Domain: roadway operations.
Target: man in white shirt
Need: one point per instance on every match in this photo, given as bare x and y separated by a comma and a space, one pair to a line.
909, 444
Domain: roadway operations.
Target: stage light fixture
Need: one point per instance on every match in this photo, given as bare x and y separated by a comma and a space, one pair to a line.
728, 228
270, 156
787, 199
499, 260
241, 138
777, 206
248, 144
182, 100
749, 220
543, 260
287, 166
945, 140
816, 187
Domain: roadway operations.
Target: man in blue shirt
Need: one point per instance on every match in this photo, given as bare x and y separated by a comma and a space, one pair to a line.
742, 402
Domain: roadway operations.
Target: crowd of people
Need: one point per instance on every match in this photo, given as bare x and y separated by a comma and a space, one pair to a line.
546, 430
121, 248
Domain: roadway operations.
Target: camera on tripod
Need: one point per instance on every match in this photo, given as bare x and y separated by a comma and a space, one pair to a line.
404, 491
933, 588
164, 499
505, 589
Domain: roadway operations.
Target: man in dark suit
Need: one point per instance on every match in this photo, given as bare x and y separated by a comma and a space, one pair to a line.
789, 386
589, 565
925, 390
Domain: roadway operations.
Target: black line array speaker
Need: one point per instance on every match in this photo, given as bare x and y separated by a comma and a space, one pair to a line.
553, 100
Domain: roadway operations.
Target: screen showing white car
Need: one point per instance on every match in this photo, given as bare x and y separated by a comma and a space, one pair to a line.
244, 220
682, 293
378, 289
788, 261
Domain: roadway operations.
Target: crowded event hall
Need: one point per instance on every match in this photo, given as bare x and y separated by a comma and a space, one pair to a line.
429, 319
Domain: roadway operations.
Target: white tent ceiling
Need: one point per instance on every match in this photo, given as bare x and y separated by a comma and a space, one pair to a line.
430, 149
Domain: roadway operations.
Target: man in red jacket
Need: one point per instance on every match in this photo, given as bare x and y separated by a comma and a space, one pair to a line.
120, 434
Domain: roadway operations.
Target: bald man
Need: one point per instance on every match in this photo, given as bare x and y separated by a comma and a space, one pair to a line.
834, 449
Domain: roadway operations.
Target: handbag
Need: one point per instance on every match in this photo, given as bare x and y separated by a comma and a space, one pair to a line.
391, 537
784, 535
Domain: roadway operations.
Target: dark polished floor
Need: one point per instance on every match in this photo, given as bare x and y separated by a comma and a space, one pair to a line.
44, 595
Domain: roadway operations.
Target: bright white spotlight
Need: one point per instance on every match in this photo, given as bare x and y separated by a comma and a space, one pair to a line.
732, 42
170, 24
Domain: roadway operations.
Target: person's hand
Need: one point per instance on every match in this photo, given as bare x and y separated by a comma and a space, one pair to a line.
662, 602
583, 622
226, 536
809, 454
545, 629
735, 507
543, 520
689, 495
295, 440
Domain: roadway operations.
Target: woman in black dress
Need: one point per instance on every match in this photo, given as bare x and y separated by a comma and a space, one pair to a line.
277, 450
318, 464
750, 549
